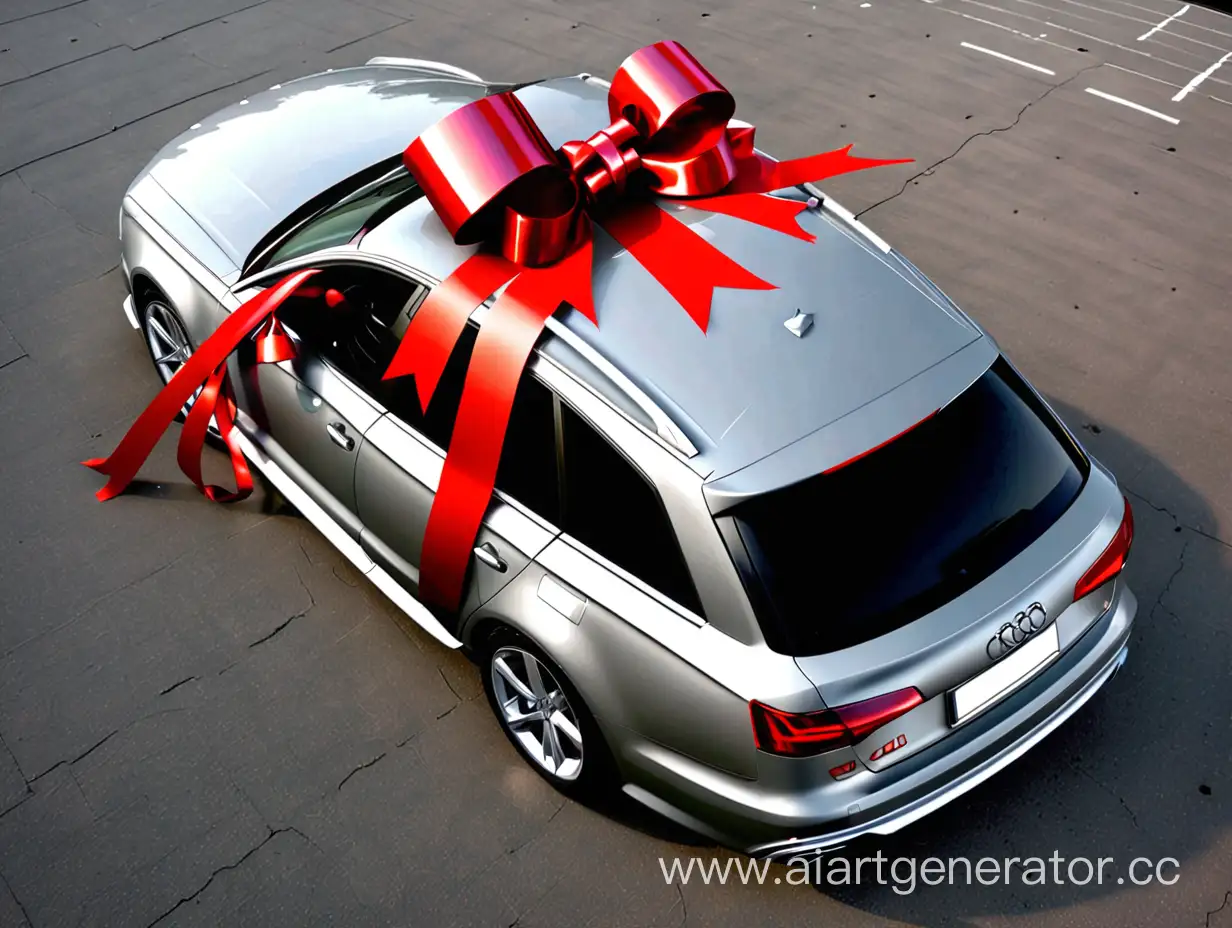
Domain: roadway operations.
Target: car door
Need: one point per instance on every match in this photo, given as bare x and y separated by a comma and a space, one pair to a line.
399, 470
618, 573
315, 409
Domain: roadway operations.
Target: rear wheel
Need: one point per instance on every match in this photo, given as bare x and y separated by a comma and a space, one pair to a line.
544, 716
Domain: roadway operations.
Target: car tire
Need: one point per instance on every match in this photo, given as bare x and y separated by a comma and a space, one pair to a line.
582, 766
166, 339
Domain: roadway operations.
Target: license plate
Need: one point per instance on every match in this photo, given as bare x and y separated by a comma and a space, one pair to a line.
1024, 662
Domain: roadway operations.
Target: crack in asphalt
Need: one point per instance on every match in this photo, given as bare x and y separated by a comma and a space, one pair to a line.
684, 907
29, 921
273, 833
98, 744
172, 35
82, 756
14, 360
63, 6
81, 226
971, 138
542, 831
62, 64
312, 602
1227, 897
176, 686
1175, 518
1107, 789
361, 767
456, 694
131, 122
1159, 600
403, 22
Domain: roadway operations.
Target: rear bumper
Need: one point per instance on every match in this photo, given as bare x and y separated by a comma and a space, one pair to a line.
767, 822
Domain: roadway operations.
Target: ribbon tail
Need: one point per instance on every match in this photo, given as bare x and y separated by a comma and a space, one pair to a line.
504, 343
213, 403
683, 262
761, 209
760, 174
434, 329
124, 462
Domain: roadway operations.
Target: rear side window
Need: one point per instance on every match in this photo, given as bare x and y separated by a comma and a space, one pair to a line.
846, 556
528, 466
610, 507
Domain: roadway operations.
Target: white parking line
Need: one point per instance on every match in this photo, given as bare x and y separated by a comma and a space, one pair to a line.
1004, 57
1179, 13
1200, 78
1134, 106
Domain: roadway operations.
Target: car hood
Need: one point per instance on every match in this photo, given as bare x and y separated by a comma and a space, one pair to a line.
241, 171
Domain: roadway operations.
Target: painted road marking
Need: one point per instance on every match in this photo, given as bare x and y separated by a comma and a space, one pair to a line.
1177, 15
1200, 78
1134, 106
1004, 57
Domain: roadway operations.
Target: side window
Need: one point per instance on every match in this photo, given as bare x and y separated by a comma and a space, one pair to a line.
360, 335
528, 459
345, 219
610, 507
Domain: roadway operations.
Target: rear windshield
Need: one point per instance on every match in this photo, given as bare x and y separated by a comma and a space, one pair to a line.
849, 555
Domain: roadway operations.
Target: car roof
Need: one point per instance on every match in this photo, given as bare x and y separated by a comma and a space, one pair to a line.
748, 386
739, 393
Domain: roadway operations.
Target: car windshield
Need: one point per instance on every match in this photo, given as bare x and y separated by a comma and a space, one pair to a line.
851, 554
340, 223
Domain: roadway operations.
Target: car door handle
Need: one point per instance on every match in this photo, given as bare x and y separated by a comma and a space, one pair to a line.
487, 553
338, 435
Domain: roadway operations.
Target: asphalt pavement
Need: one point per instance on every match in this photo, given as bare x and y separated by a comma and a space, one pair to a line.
208, 717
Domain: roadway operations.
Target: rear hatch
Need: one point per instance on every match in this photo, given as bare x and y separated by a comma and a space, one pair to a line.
897, 568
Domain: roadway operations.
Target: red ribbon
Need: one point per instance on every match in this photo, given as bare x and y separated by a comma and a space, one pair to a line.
492, 177
205, 368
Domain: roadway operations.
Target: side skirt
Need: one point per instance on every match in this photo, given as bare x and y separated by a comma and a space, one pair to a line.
322, 521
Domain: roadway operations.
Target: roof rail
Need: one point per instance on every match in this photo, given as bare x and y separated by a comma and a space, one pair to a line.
661, 424
423, 64
846, 216
664, 427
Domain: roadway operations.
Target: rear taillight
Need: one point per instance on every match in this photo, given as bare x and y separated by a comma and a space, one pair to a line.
1112, 561
805, 734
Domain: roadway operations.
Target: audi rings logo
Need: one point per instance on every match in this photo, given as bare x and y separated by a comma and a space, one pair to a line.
1016, 631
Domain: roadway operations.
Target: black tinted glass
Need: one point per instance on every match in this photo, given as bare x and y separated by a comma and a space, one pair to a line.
847, 556
342, 222
610, 507
528, 459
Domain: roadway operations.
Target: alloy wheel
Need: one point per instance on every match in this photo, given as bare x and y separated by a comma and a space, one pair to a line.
168, 343
536, 712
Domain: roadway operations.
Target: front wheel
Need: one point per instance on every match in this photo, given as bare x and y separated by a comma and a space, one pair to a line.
167, 340
544, 716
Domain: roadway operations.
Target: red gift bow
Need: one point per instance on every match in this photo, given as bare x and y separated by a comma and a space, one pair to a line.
492, 177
